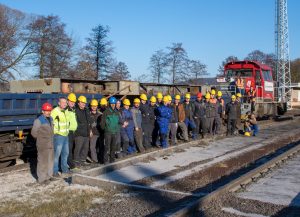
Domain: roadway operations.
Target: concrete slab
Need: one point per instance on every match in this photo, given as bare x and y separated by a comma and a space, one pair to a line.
174, 160
282, 187
109, 184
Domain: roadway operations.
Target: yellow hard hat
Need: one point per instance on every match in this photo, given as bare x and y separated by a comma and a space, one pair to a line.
169, 97
126, 102
239, 95
82, 99
136, 100
94, 102
153, 99
159, 95
103, 101
247, 134
233, 97
177, 97
166, 99
143, 97
213, 92
187, 95
72, 97
207, 96
219, 93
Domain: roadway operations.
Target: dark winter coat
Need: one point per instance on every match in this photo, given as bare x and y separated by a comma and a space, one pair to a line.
42, 130
83, 121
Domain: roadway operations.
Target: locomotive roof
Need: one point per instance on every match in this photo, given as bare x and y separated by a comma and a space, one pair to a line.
255, 63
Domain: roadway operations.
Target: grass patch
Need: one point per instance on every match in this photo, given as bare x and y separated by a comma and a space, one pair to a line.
62, 203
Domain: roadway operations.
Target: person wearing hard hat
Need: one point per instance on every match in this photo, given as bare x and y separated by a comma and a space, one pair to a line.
61, 123
127, 129
137, 120
212, 95
220, 113
83, 132
103, 104
189, 109
213, 111
164, 114
73, 126
239, 111
170, 99
42, 131
251, 96
152, 120
173, 124
180, 113
159, 98
231, 112
145, 110
240, 86
118, 149
250, 125
210, 113
102, 107
200, 116
95, 128
110, 124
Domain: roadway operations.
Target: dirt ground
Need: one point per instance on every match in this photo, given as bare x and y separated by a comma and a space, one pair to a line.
21, 195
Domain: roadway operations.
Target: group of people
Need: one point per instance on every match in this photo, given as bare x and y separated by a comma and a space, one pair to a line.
76, 133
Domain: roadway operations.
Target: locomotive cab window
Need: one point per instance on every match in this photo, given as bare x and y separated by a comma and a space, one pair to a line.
241, 72
257, 77
267, 75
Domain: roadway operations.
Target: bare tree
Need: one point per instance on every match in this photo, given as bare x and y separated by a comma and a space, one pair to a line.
295, 70
143, 78
196, 69
176, 59
51, 46
120, 72
83, 70
14, 42
100, 50
227, 60
158, 66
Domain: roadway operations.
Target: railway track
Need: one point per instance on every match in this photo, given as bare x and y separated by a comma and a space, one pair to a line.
196, 208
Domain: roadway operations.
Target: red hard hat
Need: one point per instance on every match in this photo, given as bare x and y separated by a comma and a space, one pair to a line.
199, 95
46, 106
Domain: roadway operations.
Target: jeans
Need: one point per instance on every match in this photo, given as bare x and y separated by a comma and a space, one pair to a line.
191, 124
61, 149
255, 129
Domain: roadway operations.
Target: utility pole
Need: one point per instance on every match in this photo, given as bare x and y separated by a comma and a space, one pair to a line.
283, 74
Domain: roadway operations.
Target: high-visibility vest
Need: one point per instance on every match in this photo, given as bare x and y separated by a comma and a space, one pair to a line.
213, 100
72, 119
61, 121
240, 83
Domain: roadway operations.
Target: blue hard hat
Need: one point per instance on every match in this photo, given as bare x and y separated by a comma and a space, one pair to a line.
112, 100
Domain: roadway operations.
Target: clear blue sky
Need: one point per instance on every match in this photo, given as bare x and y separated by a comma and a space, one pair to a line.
210, 30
